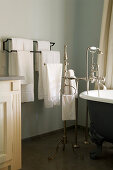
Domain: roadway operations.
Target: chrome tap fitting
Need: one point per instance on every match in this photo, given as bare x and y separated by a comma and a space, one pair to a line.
93, 76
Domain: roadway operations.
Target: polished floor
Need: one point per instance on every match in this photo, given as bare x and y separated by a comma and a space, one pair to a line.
35, 154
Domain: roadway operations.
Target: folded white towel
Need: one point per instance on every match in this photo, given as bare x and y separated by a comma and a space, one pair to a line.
21, 44
52, 84
43, 45
3, 60
45, 57
68, 107
21, 64
40, 46
27, 45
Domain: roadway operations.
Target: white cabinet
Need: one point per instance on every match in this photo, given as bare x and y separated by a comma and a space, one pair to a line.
5, 128
10, 125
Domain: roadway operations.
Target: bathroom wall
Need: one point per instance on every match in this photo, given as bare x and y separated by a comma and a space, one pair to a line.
88, 15
75, 22
42, 20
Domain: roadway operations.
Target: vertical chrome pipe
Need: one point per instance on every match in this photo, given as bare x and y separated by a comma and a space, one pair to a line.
64, 136
87, 70
98, 80
65, 70
86, 128
87, 81
76, 120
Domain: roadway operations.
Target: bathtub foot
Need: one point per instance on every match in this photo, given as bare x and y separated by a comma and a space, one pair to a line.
98, 140
95, 155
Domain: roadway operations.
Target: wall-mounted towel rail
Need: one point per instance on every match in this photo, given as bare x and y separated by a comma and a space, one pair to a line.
9, 39
51, 44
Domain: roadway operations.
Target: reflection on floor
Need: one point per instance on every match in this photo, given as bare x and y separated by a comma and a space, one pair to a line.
35, 154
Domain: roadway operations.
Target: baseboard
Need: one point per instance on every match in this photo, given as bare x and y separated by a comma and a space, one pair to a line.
52, 132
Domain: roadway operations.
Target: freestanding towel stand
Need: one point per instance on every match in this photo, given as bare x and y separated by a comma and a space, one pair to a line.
63, 140
76, 102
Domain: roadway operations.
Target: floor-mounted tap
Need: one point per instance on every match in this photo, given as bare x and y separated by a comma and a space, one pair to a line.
94, 75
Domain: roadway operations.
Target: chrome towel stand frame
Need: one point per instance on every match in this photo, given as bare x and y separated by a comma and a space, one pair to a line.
76, 102
63, 139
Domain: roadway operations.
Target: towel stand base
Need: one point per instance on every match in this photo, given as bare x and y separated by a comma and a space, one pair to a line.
53, 155
75, 147
86, 142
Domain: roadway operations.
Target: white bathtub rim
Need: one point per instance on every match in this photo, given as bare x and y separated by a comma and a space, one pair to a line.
91, 96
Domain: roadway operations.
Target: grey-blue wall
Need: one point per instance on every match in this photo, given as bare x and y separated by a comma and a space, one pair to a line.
75, 22
86, 22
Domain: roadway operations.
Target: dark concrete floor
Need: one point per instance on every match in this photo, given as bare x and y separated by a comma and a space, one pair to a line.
35, 154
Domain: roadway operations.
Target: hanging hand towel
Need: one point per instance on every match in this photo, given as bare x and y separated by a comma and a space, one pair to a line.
71, 84
40, 46
27, 92
3, 60
68, 107
21, 64
52, 85
68, 99
45, 57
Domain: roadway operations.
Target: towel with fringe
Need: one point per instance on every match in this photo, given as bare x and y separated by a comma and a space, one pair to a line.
68, 107
48, 57
52, 84
40, 46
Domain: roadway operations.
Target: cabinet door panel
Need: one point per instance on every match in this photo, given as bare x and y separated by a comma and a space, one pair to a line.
2, 127
5, 128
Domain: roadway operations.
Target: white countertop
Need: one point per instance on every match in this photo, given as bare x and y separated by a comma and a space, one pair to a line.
8, 78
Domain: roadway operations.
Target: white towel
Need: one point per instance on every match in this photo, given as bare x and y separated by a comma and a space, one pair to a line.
52, 85
21, 64
21, 44
40, 46
71, 87
68, 107
47, 57
3, 60
43, 45
27, 92
27, 45
1, 45
68, 99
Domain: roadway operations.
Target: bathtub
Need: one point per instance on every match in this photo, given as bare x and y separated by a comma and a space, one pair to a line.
100, 107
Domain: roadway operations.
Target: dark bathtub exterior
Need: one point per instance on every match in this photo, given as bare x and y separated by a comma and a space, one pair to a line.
101, 124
